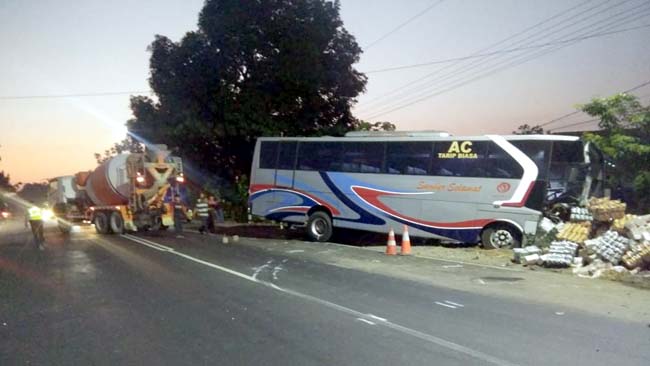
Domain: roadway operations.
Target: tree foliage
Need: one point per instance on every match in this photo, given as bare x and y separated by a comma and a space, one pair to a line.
5, 182
377, 126
626, 139
526, 129
252, 68
129, 144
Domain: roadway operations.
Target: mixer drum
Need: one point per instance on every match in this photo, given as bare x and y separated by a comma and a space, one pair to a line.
109, 184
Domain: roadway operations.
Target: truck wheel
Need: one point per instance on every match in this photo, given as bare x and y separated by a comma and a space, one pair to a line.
500, 236
117, 222
319, 226
101, 223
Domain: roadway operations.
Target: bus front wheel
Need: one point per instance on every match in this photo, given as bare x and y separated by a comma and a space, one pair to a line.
319, 226
500, 236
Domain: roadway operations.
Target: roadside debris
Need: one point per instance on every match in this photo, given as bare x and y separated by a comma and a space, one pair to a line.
599, 240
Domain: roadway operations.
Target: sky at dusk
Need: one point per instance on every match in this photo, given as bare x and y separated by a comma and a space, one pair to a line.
80, 47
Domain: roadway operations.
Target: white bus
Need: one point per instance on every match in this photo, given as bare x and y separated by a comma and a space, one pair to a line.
467, 189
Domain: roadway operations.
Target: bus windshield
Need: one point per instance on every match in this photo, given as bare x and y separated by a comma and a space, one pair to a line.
563, 167
567, 172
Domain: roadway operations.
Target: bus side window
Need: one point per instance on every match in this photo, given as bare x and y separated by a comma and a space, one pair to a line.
460, 159
319, 156
538, 152
287, 157
501, 165
268, 154
406, 157
363, 157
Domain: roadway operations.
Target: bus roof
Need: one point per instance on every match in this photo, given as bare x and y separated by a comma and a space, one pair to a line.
425, 137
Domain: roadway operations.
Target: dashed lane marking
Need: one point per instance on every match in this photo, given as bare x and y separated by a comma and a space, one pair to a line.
446, 305
357, 314
454, 304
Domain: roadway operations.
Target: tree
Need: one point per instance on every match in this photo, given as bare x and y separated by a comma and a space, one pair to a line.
526, 129
377, 126
129, 144
626, 140
5, 181
252, 68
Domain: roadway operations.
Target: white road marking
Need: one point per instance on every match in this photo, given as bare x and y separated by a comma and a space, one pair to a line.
453, 266
366, 321
148, 243
275, 271
446, 305
295, 251
454, 304
357, 314
481, 282
377, 318
259, 269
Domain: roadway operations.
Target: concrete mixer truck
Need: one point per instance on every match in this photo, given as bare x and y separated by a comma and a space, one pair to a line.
128, 192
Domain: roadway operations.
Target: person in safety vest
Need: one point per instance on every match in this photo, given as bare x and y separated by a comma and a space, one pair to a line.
35, 218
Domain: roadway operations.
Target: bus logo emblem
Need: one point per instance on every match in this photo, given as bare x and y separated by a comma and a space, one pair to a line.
503, 187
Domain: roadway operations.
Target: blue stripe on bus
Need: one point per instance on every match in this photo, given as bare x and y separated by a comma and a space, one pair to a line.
364, 216
336, 180
333, 180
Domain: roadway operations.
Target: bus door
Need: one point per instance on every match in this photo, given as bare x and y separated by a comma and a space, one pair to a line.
285, 172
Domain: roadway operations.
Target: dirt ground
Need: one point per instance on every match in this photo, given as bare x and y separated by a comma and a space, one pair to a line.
455, 254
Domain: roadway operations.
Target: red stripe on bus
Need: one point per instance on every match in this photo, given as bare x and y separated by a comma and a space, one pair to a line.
371, 196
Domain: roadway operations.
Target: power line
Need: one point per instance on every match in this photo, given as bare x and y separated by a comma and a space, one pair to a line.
512, 61
511, 50
514, 36
53, 96
464, 82
576, 112
637, 87
575, 124
559, 118
402, 25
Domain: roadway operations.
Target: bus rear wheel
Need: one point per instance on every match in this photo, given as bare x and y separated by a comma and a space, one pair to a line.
319, 226
500, 236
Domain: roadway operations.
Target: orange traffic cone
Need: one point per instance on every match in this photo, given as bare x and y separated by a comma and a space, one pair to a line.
406, 242
391, 246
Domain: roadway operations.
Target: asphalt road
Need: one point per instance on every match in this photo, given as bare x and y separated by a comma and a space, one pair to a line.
162, 300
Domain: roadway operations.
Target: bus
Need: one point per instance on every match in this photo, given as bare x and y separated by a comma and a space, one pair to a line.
491, 189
